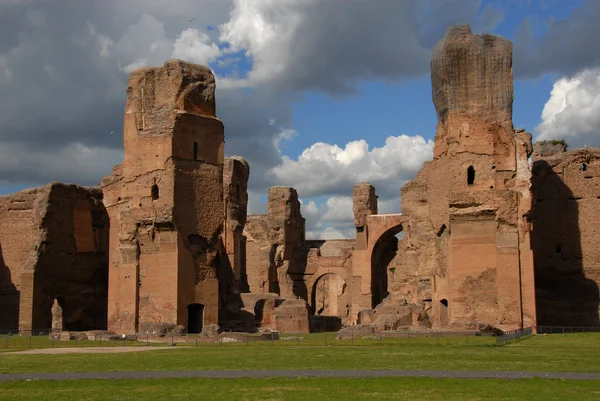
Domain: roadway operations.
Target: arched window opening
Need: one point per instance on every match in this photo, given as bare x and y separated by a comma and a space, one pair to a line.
195, 150
154, 192
470, 175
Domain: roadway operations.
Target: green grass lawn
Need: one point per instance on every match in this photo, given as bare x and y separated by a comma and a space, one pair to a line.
574, 340
555, 353
303, 389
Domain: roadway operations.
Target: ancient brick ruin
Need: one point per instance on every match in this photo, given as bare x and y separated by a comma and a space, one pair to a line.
53, 258
166, 240
566, 229
466, 255
165, 202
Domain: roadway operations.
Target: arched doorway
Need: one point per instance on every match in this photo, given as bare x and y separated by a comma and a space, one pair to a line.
382, 258
195, 318
327, 293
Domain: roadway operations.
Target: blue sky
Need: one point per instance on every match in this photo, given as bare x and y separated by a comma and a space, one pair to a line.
380, 109
291, 74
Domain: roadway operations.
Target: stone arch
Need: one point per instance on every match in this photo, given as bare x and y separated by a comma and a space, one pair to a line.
383, 255
382, 231
327, 295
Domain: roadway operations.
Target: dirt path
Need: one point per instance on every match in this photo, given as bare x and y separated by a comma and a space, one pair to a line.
294, 373
86, 350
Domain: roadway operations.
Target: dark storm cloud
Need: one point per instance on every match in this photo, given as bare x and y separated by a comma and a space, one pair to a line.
568, 46
62, 84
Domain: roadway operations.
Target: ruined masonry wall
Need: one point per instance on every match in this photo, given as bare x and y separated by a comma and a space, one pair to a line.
466, 250
61, 257
566, 226
165, 201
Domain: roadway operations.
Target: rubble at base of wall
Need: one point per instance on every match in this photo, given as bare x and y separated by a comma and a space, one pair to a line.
210, 331
267, 335
481, 327
94, 335
391, 315
357, 331
161, 329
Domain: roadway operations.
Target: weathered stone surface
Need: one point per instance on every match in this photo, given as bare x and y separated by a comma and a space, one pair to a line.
280, 261
566, 228
272, 244
211, 330
165, 202
235, 189
73, 336
160, 329
471, 76
364, 203
57, 317
543, 149
53, 253
465, 255
374, 257
354, 332
291, 316
99, 335
184, 255
391, 315
284, 315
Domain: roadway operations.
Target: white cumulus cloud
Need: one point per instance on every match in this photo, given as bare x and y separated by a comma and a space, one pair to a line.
325, 169
196, 47
572, 110
334, 219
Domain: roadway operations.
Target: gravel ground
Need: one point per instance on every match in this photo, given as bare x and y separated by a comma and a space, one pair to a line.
86, 350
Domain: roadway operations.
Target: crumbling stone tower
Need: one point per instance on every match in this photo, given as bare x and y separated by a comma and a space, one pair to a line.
165, 202
466, 254
235, 189
273, 242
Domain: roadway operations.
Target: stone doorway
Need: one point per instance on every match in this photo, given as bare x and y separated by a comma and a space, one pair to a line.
326, 295
383, 258
444, 312
195, 318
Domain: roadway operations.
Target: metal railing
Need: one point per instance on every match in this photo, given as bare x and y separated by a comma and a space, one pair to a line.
514, 335
25, 339
567, 329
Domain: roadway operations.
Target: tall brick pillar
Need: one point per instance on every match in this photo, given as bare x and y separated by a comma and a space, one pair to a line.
364, 203
165, 202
